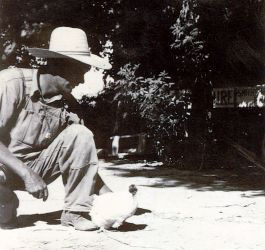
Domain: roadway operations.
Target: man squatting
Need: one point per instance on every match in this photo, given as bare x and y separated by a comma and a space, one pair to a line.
42, 138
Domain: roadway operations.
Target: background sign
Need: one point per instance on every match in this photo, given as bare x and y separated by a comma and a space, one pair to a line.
239, 97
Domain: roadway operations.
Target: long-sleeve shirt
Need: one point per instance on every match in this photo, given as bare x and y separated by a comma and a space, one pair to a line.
28, 123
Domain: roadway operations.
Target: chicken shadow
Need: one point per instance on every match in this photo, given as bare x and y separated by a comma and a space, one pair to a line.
130, 227
141, 211
52, 218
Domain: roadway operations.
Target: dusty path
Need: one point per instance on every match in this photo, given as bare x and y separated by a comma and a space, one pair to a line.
180, 210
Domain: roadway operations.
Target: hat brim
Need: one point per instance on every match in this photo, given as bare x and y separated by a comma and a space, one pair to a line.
91, 59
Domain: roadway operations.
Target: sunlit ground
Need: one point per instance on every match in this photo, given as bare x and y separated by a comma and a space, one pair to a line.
180, 210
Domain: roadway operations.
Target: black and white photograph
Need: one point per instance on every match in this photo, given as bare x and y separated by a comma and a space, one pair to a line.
132, 124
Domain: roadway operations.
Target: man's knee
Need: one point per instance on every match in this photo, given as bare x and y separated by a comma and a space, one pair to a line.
80, 131
79, 148
78, 135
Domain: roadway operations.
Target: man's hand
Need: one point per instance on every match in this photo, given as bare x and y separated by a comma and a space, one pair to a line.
33, 182
35, 185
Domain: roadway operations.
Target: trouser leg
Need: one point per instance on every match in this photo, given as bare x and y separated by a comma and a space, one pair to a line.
73, 155
8, 207
8, 201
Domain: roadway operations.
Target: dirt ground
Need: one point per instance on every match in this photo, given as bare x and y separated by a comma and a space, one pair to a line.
178, 210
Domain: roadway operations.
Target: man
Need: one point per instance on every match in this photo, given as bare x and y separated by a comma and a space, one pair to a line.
41, 137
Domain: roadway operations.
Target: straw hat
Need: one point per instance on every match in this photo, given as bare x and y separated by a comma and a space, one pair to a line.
69, 42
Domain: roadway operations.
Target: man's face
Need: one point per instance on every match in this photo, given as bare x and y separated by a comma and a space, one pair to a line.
69, 74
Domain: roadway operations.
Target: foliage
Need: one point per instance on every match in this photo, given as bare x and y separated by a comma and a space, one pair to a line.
162, 108
212, 41
155, 100
234, 32
29, 23
192, 56
194, 71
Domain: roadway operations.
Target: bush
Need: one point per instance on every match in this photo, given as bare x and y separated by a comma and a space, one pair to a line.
162, 107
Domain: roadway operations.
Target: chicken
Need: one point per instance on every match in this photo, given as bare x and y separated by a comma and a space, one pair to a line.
112, 209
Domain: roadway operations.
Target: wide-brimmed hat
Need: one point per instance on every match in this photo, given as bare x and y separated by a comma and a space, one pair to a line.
72, 43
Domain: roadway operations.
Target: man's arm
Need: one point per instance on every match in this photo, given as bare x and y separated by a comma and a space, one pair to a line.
33, 182
11, 96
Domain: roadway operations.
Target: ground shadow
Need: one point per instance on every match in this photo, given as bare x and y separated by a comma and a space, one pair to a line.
52, 218
131, 159
129, 227
247, 178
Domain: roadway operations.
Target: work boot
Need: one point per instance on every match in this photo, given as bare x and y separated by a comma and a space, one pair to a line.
78, 220
8, 208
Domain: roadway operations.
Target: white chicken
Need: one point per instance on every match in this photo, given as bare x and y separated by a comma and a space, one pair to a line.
112, 209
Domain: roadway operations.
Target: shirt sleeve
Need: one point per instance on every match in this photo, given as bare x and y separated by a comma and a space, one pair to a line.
11, 92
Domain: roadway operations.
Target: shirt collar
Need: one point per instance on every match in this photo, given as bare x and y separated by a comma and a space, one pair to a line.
35, 93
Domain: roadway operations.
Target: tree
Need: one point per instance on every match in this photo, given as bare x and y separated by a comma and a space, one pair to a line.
162, 110
139, 31
194, 69
234, 32
29, 23
213, 43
